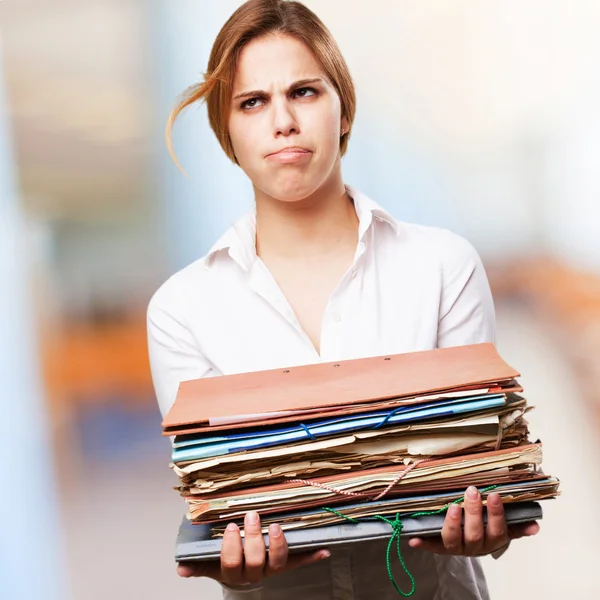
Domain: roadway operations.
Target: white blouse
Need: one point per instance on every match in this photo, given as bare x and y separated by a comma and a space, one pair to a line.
409, 288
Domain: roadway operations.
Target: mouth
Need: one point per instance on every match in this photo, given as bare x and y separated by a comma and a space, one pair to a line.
289, 154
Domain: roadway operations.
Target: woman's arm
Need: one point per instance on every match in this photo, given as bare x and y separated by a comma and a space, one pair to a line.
175, 357
467, 317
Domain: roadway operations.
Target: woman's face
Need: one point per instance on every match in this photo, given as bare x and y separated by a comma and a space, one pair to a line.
285, 121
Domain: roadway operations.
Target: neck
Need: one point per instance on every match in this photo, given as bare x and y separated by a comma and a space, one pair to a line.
312, 226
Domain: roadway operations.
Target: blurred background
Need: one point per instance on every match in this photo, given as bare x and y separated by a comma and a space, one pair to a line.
481, 116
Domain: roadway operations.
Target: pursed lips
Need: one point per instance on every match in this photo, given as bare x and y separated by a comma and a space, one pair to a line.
289, 154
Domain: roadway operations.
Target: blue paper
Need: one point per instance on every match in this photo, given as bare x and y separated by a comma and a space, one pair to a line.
202, 438
211, 447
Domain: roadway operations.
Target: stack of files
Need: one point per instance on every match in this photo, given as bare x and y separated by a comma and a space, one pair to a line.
376, 436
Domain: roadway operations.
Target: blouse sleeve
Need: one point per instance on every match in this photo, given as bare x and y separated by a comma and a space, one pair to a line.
467, 313
174, 353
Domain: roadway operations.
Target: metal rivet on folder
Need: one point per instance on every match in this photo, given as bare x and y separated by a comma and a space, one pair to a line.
287, 371
336, 365
387, 359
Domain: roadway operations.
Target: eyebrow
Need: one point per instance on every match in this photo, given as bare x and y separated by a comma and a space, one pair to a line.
295, 85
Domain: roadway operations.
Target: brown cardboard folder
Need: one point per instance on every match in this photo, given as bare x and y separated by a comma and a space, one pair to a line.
334, 387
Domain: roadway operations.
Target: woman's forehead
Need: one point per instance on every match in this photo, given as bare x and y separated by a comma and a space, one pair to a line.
272, 61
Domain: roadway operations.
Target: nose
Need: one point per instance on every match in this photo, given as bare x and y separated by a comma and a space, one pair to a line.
285, 122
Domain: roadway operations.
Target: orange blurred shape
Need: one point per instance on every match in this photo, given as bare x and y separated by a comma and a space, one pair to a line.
85, 363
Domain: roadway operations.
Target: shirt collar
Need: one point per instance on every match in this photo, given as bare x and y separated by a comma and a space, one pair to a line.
367, 210
240, 239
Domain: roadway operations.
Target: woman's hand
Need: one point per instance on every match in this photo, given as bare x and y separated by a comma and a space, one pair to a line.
476, 539
250, 563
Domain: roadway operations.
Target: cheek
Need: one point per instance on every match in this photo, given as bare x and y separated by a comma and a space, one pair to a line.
326, 125
237, 138
246, 148
328, 116
247, 138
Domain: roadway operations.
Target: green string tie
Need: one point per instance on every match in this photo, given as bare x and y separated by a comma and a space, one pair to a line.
397, 526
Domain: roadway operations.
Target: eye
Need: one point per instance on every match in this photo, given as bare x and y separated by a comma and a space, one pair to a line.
251, 103
305, 92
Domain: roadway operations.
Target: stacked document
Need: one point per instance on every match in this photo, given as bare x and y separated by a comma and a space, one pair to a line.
314, 446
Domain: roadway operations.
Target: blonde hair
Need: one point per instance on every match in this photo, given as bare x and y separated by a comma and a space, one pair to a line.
254, 19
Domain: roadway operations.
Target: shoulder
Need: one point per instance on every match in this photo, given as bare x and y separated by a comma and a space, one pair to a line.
180, 290
190, 285
447, 249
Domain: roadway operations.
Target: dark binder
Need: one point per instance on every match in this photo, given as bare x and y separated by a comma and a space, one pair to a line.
195, 542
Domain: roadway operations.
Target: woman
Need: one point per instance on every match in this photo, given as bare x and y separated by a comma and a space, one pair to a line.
318, 272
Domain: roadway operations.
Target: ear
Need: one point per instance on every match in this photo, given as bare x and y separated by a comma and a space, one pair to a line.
344, 126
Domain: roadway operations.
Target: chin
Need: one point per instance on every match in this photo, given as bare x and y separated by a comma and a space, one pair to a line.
295, 191
291, 184
291, 196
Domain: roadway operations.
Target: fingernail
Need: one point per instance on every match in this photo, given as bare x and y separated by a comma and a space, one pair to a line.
454, 511
183, 571
414, 542
252, 518
232, 527
274, 530
324, 554
472, 493
534, 528
494, 500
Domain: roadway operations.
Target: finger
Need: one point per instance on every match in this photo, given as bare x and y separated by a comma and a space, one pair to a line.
198, 569
254, 548
431, 545
496, 532
232, 555
306, 558
523, 530
474, 532
452, 536
278, 549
